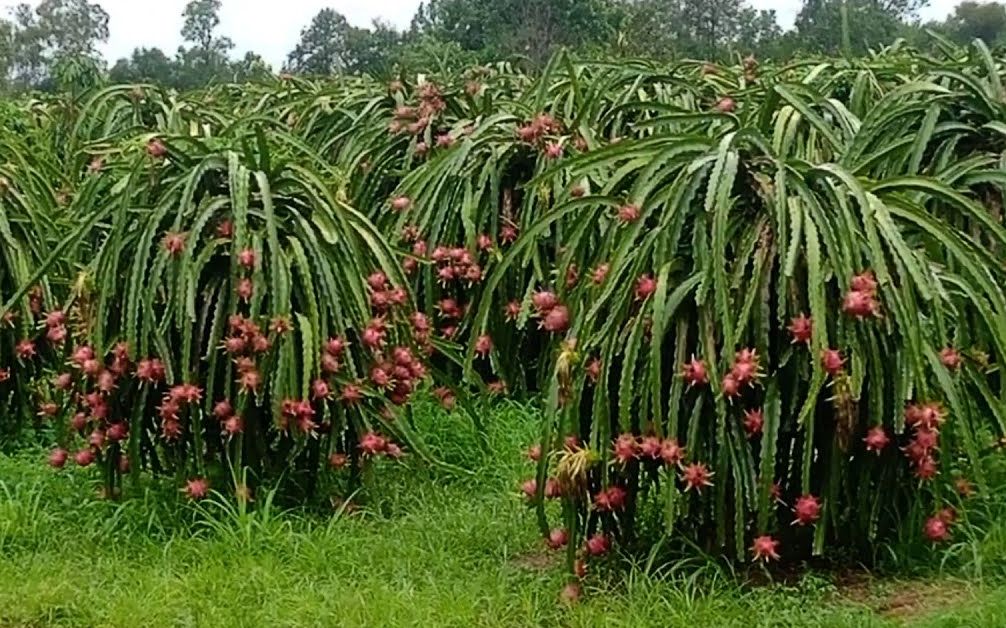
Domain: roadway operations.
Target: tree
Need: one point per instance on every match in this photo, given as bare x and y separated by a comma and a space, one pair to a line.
55, 30
323, 47
374, 51
330, 45
978, 20
146, 65
532, 28
72, 28
460, 21
704, 29
541, 26
758, 31
871, 23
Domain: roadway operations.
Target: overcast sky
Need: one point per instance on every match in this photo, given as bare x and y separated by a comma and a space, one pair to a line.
272, 27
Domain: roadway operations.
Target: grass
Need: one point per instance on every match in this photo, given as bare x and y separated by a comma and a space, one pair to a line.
435, 550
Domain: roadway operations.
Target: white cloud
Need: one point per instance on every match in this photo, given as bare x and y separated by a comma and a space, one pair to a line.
272, 27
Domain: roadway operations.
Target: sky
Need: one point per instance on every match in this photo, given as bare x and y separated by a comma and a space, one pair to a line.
272, 27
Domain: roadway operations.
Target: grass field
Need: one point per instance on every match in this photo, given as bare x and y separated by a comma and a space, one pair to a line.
425, 554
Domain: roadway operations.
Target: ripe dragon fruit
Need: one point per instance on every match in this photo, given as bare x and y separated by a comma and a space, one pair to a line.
801, 329
832, 362
197, 489
650, 447
558, 538
598, 545
58, 457
765, 548
694, 373
936, 530
950, 358
754, 422
610, 500
696, 476
628, 213
671, 452
646, 285
807, 510
625, 448
876, 439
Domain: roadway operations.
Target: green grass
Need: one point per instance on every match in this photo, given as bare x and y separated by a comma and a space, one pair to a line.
434, 550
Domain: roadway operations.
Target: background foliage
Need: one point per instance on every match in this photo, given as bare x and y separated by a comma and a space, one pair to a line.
34, 42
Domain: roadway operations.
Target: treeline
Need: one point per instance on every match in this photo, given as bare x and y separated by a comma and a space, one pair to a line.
55, 45
451, 31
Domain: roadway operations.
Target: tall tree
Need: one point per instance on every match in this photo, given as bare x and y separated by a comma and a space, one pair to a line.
207, 58
202, 17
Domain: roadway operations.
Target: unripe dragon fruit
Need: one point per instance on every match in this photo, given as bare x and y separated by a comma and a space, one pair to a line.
726, 105
483, 345
246, 258
730, 386
650, 447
